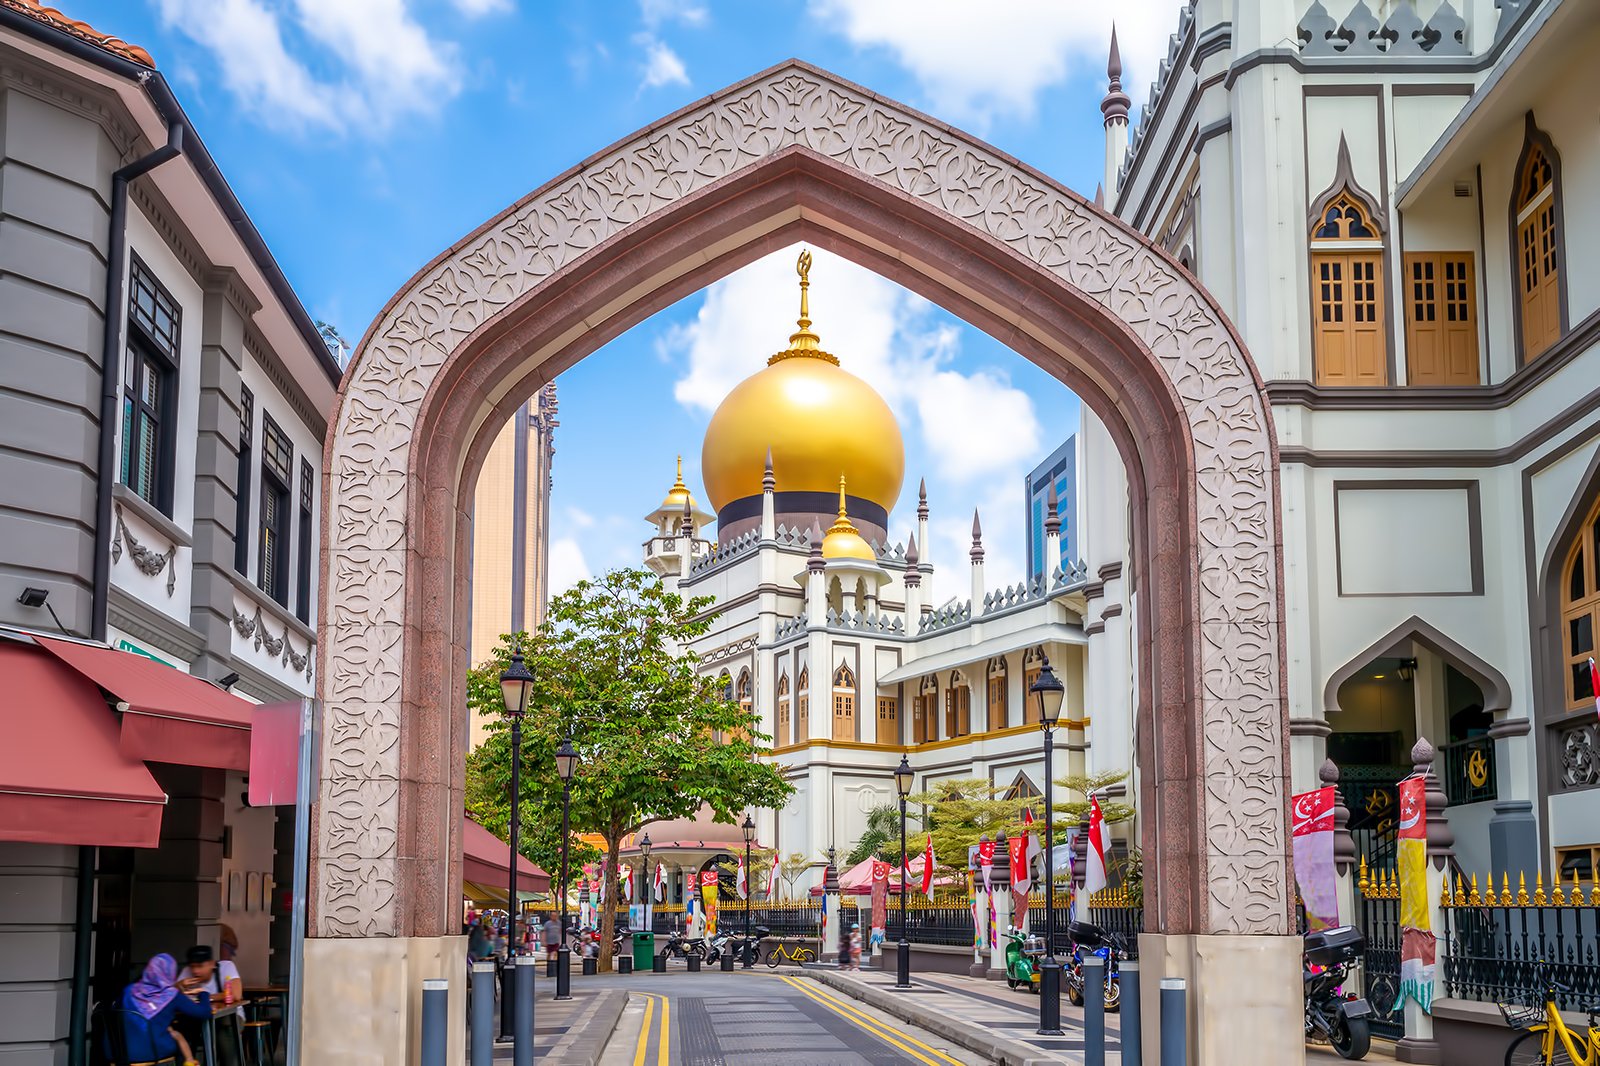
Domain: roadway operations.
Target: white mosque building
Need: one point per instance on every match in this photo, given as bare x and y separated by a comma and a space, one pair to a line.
827, 628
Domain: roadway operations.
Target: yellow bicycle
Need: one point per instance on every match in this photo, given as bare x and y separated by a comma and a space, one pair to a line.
800, 954
1546, 1040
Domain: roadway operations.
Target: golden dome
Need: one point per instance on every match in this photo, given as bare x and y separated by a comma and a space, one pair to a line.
842, 541
678, 495
817, 419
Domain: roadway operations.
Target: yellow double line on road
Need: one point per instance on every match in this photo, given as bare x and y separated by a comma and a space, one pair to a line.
908, 1044
664, 1045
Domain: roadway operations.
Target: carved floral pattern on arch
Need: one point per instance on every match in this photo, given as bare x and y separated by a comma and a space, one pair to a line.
799, 106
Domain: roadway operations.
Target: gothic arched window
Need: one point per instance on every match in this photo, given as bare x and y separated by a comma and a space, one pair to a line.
998, 709
1536, 226
1580, 612
844, 704
783, 736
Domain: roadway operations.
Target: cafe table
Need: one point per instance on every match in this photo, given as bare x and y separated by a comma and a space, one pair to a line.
208, 1030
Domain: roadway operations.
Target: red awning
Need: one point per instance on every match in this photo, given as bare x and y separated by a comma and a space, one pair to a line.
485, 859
171, 716
64, 778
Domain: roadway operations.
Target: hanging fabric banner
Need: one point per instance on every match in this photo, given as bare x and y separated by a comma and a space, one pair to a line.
978, 933
743, 881
1313, 856
986, 860
1417, 945
661, 882
627, 882
708, 893
880, 902
927, 869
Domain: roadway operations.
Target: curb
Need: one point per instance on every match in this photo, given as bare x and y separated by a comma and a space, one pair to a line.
984, 1042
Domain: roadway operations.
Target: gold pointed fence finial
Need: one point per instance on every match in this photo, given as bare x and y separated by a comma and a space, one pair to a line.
1577, 889
1558, 890
1522, 888
1476, 899
1539, 898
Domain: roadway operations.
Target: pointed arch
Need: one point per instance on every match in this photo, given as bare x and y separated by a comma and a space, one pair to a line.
844, 703
1538, 245
1349, 342
1490, 681
1032, 666
958, 706
999, 695
1566, 582
783, 735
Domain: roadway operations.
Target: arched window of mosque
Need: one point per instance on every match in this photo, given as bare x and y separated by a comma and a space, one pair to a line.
844, 704
802, 706
958, 706
998, 709
1580, 612
743, 691
1348, 341
725, 686
1032, 663
925, 714
835, 596
861, 594
783, 736
1537, 209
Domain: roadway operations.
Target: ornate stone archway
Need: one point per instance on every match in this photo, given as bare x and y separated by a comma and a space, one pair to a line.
797, 153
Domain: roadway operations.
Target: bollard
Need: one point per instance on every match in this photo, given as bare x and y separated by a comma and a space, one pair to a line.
522, 1051
563, 973
483, 1013
1132, 1038
1094, 1011
591, 966
727, 960
694, 964
508, 978
624, 963
658, 963
435, 1020
1174, 1022
550, 966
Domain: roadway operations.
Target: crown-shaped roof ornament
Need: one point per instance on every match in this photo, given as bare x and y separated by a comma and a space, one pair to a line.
804, 344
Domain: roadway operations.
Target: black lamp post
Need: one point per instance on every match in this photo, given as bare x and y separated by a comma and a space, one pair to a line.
647, 891
903, 780
515, 685
566, 766
1049, 691
749, 828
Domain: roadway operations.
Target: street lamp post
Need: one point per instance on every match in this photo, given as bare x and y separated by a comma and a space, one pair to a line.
903, 780
1049, 691
566, 765
749, 828
648, 887
515, 685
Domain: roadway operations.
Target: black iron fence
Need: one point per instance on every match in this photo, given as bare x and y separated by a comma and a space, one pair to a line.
1469, 770
1505, 946
932, 923
1378, 917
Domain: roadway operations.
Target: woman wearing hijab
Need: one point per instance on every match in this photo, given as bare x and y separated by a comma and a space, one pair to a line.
148, 1007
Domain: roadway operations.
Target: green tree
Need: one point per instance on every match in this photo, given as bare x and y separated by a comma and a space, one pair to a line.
1112, 811
656, 740
957, 812
791, 868
880, 838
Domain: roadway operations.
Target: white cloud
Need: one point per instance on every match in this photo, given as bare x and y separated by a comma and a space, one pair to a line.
389, 65
688, 12
661, 65
567, 564
479, 8
972, 425
999, 505
976, 62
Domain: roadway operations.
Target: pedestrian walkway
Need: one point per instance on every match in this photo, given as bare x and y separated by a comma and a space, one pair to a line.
572, 1032
983, 1016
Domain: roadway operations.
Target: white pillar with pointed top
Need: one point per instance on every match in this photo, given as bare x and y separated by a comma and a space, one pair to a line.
976, 555
913, 583
769, 485
922, 520
1052, 537
1114, 106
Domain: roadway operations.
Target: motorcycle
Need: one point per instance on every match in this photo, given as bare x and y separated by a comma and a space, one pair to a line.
1108, 946
679, 946
1344, 1020
1022, 959
736, 944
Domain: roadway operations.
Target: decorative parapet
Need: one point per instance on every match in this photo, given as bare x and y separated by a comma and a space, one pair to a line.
1402, 34
789, 627
1072, 576
279, 647
149, 561
798, 538
719, 554
1158, 88
861, 621
951, 614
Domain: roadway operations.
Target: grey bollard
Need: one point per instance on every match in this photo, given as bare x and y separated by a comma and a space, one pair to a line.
483, 1013
522, 1049
435, 1021
658, 963
727, 960
624, 963
694, 964
1132, 1038
1094, 1011
1174, 1022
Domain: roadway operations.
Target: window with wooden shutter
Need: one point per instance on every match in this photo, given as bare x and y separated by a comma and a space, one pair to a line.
1032, 666
844, 704
802, 707
998, 708
1347, 306
1580, 613
1538, 252
888, 720
783, 735
1441, 319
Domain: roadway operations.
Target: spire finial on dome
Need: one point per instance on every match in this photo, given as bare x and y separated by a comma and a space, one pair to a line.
802, 342
922, 499
1052, 516
677, 483
1114, 105
842, 513
976, 554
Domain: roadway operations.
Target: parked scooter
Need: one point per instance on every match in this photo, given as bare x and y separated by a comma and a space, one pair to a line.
735, 943
1108, 946
1344, 1020
679, 946
1022, 959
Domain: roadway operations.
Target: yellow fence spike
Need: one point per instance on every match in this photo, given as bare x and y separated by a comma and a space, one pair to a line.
1459, 899
1577, 890
1394, 884
1539, 899
1522, 888
1489, 898
1361, 881
1475, 900
1594, 894
1505, 889
1445, 898
1558, 890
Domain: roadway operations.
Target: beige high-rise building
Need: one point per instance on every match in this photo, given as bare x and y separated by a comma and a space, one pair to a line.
511, 531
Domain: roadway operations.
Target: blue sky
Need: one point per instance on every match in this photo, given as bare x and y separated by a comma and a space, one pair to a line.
364, 136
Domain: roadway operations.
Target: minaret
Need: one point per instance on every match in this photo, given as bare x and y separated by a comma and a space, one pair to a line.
816, 585
1114, 106
913, 587
922, 515
769, 484
1052, 537
686, 533
976, 555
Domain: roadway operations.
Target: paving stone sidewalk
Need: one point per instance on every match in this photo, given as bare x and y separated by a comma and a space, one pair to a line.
983, 1016
571, 1033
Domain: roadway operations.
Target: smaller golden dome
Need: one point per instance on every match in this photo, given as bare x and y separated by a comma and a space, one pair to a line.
842, 541
678, 495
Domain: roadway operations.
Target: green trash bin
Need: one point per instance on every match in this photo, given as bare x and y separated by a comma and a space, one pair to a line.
644, 951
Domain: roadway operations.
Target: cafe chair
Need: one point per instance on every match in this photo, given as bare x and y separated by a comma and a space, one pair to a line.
255, 1043
107, 1020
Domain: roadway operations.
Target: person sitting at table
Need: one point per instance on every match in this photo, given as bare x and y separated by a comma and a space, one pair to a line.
204, 972
149, 1007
